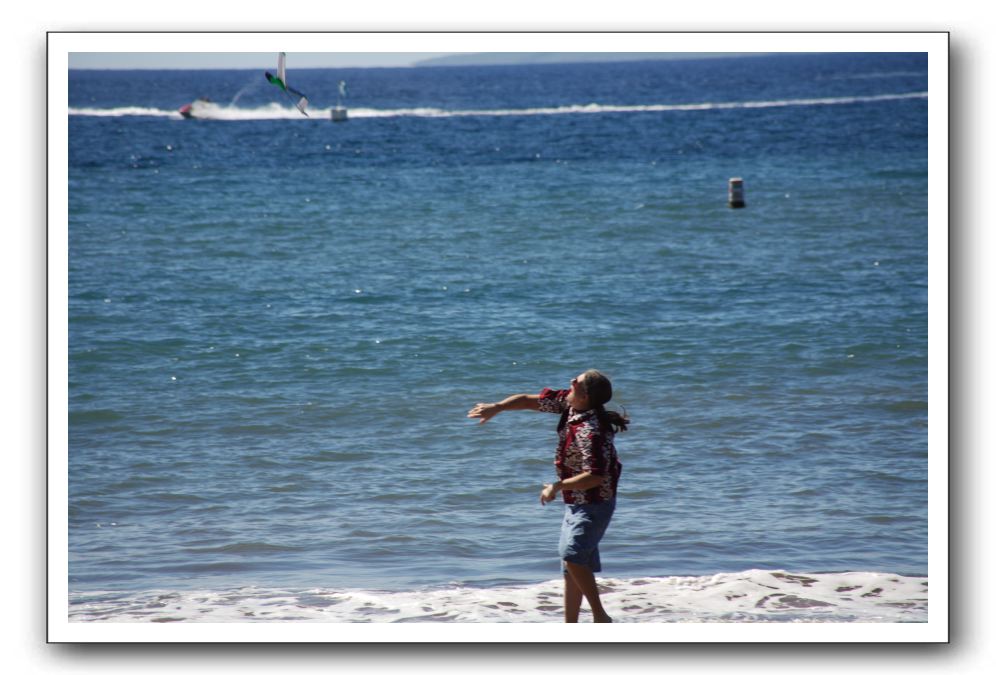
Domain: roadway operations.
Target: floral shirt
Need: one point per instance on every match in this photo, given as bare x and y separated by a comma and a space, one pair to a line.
584, 445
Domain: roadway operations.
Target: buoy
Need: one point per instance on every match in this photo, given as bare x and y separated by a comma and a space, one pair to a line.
737, 193
339, 113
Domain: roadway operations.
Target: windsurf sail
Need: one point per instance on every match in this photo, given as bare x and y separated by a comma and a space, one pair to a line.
280, 80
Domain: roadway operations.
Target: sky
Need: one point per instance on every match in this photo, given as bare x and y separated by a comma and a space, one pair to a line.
247, 60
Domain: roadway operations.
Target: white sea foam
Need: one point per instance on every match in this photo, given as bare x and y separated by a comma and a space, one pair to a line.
878, 75
751, 596
274, 111
127, 111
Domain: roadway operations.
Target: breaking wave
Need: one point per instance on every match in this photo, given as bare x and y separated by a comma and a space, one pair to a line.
753, 596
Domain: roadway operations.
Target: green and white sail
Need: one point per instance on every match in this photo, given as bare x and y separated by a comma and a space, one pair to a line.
280, 80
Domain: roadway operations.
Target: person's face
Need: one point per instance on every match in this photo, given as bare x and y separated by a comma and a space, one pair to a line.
577, 398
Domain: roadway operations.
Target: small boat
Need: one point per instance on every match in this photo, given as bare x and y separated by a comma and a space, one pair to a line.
187, 111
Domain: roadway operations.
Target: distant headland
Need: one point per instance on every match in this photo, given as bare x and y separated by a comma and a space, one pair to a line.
522, 58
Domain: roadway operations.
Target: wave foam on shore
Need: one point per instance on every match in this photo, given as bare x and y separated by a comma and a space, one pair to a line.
751, 596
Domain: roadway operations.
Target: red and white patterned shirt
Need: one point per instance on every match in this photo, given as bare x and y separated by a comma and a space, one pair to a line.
584, 445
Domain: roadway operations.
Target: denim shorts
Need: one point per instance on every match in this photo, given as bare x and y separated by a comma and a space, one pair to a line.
582, 529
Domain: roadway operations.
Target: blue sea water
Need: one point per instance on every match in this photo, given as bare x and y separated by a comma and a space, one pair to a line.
277, 324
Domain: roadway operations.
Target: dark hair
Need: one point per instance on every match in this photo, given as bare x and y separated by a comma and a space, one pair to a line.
598, 389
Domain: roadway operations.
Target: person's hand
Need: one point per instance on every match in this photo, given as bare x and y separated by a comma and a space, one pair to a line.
548, 494
485, 411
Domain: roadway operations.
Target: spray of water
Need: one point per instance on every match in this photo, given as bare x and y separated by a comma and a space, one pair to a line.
254, 83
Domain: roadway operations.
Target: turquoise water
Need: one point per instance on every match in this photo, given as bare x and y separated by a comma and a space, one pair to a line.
277, 324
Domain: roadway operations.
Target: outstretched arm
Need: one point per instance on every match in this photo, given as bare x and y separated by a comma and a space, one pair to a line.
486, 411
582, 481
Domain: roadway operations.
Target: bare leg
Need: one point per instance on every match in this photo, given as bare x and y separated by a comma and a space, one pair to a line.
584, 579
572, 600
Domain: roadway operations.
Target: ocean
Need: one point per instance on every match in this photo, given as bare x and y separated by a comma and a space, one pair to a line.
277, 325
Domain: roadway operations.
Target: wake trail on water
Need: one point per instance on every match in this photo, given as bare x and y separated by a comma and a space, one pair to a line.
274, 111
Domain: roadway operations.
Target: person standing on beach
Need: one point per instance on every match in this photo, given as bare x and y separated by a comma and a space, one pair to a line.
588, 475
